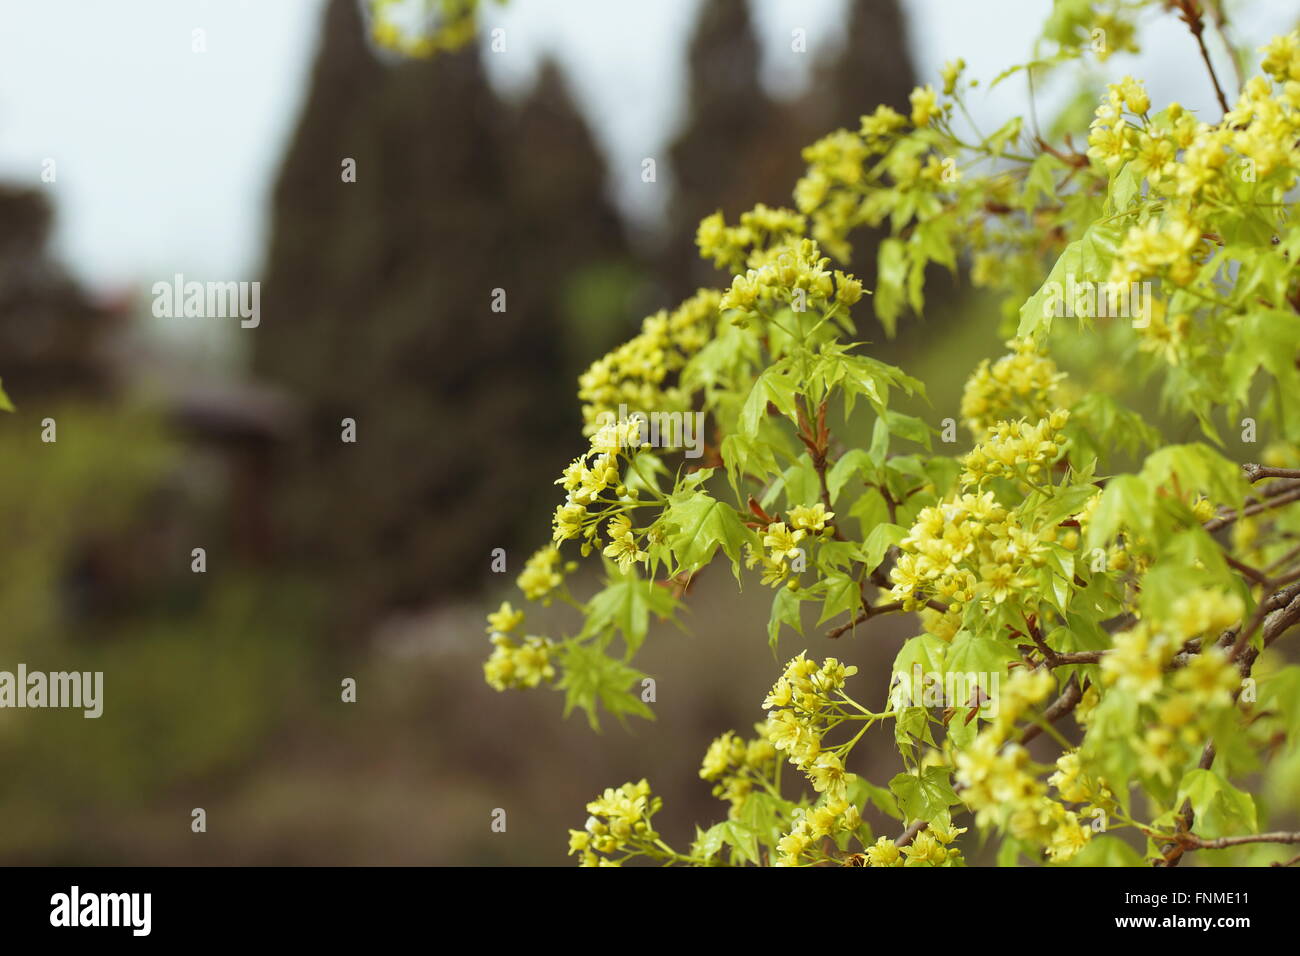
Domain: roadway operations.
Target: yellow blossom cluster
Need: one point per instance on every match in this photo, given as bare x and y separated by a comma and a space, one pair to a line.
1016, 449
965, 549
834, 160
931, 847
620, 822
1141, 655
1021, 384
1076, 786
594, 489
1158, 247
760, 230
833, 816
999, 782
639, 374
805, 702
793, 274
513, 664
543, 572
736, 765
785, 555
1112, 140
1194, 168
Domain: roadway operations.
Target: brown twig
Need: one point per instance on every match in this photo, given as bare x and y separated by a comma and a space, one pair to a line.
1197, 843
908, 835
1256, 472
1274, 497
1190, 14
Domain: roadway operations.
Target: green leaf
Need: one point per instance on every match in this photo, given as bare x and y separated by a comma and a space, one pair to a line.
775, 385
843, 593
909, 427
1282, 691
709, 842
1221, 809
747, 456
702, 524
591, 679
971, 653
879, 540
626, 604
890, 277
1107, 851
854, 462
785, 610
1124, 188
1087, 259
924, 796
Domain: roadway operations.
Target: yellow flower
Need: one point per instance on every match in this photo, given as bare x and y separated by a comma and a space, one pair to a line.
924, 105
925, 850
884, 853
718, 758
1210, 679
782, 542
504, 619
514, 665
810, 518
541, 575
1068, 839
623, 544
951, 73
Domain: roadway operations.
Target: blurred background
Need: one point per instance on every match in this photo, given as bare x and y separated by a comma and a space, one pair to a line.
128, 154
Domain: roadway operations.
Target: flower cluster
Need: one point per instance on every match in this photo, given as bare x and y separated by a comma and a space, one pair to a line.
968, 548
805, 703
793, 274
785, 554
514, 664
735, 765
761, 229
1142, 655
1112, 140
1016, 449
931, 847
543, 572
639, 374
594, 489
1196, 168
1000, 783
830, 817
1022, 384
620, 822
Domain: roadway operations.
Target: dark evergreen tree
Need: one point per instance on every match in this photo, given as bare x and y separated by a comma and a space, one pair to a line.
378, 306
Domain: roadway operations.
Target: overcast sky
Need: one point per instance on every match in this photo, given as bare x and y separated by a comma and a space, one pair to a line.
164, 156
